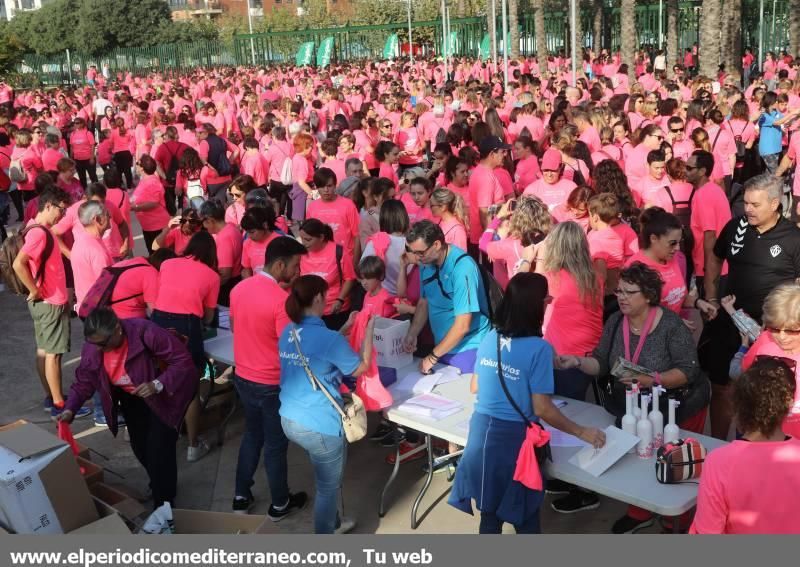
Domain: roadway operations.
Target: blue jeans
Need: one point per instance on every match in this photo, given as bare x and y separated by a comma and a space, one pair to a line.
571, 383
328, 455
263, 431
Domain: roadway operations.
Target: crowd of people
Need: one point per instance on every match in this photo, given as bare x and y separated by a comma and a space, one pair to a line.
613, 214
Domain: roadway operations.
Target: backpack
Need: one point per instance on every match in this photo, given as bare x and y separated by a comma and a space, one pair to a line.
313, 121
339, 255
172, 170
9, 252
682, 209
217, 155
441, 136
99, 295
577, 175
491, 288
16, 172
741, 147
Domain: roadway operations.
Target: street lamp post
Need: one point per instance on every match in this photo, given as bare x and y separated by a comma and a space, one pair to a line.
250, 25
504, 6
574, 39
410, 41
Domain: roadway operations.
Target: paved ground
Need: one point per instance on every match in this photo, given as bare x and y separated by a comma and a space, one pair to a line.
209, 483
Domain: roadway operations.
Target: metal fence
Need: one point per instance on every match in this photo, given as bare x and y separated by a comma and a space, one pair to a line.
359, 42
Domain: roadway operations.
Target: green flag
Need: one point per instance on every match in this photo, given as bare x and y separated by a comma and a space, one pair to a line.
324, 52
390, 49
305, 54
485, 47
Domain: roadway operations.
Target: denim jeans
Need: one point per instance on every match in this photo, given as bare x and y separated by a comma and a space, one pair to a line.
328, 455
571, 383
263, 431
771, 162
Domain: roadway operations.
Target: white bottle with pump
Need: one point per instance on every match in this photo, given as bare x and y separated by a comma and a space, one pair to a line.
628, 420
657, 418
644, 431
671, 431
635, 387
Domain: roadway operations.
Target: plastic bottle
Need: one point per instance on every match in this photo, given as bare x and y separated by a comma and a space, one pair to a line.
644, 431
628, 420
671, 431
657, 418
636, 411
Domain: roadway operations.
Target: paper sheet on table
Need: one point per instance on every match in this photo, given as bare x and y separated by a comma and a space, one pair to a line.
418, 383
431, 406
560, 439
597, 461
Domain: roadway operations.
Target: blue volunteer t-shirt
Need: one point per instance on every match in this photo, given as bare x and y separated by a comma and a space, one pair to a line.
455, 289
329, 357
528, 369
770, 136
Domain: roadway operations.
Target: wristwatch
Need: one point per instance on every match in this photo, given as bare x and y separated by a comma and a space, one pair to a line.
158, 386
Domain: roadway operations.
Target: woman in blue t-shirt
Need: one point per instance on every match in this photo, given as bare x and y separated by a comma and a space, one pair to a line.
307, 415
497, 429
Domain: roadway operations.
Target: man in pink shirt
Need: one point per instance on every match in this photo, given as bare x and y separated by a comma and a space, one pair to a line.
229, 247
681, 147
551, 189
89, 255
588, 133
253, 163
484, 188
337, 212
258, 317
710, 210
650, 189
39, 267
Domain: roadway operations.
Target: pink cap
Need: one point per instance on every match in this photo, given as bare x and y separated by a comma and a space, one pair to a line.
551, 161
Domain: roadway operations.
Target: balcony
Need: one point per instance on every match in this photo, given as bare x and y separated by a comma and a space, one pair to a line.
195, 8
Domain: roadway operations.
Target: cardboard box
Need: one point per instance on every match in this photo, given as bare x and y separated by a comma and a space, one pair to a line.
129, 508
91, 472
41, 488
202, 522
110, 523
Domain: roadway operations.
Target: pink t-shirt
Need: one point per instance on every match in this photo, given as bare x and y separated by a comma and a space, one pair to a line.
562, 213
229, 249
387, 171
674, 291
186, 286
454, 232
505, 253
140, 284
50, 159
415, 212
341, 215
53, 284
527, 172
176, 240
484, 190
81, 143
551, 195
300, 170
636, 167
591, 138
737, 497
713, 215
150, 190
259, 316
256, 167
572, 325
648, 188
323, 264
607, 245
254, 253
88, 257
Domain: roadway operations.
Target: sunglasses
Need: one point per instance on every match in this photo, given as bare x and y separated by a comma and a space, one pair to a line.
192, 222
789, 362
787, 332
105, 342
626, 293
678, 131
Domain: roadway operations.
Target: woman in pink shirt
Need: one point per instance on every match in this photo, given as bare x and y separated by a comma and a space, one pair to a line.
81, 147
148, 202
752, 485
456, 175
259, 225
451, 210
410, 143
387, 154
527, 170
744, 136
302, 175
238, 190
179, 231
122, 147
142, 135
416, 200
576, 209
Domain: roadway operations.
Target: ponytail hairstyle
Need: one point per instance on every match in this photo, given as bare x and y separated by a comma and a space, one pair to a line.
301, 297
453, 203
317, 228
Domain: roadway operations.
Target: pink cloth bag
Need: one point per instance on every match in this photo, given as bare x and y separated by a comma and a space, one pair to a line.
527, 470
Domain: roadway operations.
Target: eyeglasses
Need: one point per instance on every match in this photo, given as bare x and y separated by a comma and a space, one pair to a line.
678, 131
626, 293
787, 332
789, 362
658, 137
105, 342
417, 253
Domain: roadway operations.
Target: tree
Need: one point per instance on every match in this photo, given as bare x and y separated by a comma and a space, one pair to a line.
673, 54
710, 38
794, 27
540, 32
627, 18
513, 23
105, 25
597, 34
48, 30
11, 49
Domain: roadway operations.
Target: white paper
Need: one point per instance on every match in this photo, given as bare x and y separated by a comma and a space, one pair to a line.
427, 383
560, 439
559, 403
431, 405
597, 461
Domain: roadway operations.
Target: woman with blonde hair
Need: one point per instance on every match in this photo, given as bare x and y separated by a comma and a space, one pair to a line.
451, 210
520, 223
701, 141
302, 175
575, 170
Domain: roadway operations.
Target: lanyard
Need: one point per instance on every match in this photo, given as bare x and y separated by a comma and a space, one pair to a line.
626, 336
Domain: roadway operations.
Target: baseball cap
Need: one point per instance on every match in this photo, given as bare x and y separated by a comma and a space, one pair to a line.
491, 144
551, 161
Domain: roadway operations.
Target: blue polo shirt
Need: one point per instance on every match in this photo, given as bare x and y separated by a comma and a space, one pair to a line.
528, 369
455, 288
329, 357
770, 136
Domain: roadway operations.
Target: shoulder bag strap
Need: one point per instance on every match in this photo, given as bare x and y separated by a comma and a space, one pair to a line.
505, 388
315, 382
719, 131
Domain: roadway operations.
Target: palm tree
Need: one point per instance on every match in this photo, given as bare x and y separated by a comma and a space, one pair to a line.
710, 38
492, 29
794, 27
627, 18
513, 24
540, 33
672, 32
461, 8
735, 37
597, 33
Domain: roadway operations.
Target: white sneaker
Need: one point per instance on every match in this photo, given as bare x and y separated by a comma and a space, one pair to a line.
346, 526
196, 453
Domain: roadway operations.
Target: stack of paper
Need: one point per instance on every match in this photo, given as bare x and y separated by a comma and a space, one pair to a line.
428, 382
431, 406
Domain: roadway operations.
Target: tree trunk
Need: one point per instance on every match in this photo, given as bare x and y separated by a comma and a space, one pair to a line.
673, 54
461, 8
513, 25
597, 32
710, 38
628, 30
493, 38
724, 33
736, 33
539, 32
794, 27
578, 32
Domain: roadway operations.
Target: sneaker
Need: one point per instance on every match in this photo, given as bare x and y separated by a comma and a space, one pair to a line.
576, 501
196, 453
48, 404
629, 525
558, 487
100, 420
394, 437
296, 503
346, 525
83, 412
405, 448
383, 430
242, 505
